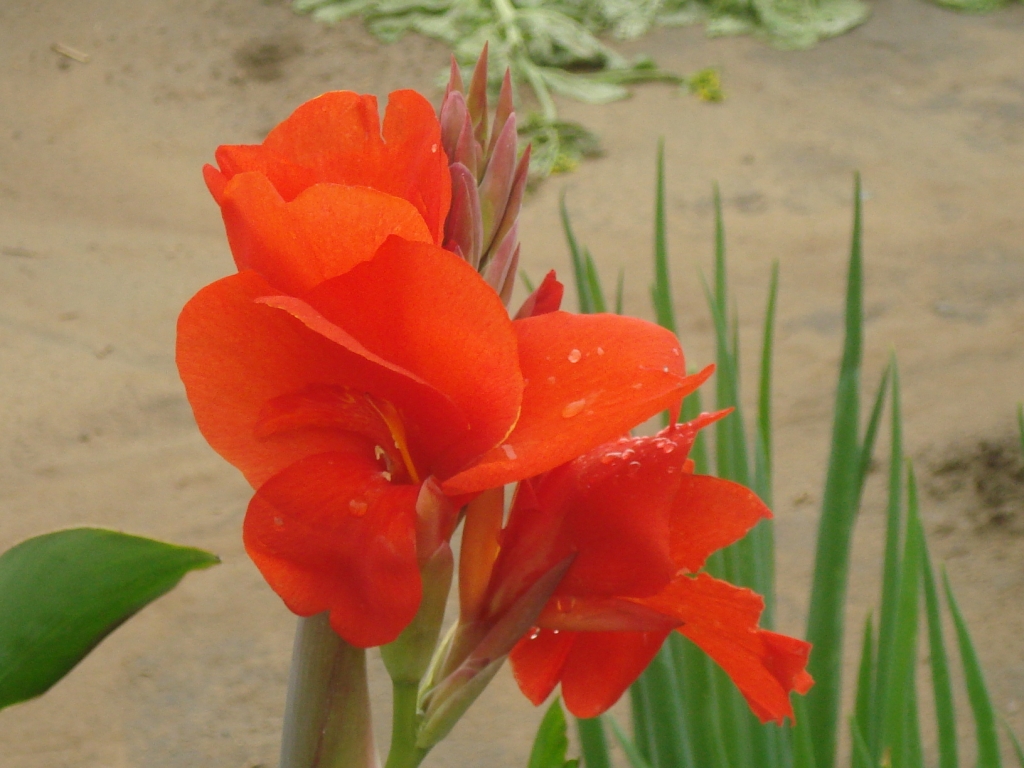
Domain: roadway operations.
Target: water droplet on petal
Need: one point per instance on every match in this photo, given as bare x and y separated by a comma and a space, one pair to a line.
575, 355
357, 508
551, 379
638, 385
573, 408
628, 454
600, 351
535, 634
386, 476
278, 522
668, 447
665, 369
378, 452
509, 451
633, 468
433, 148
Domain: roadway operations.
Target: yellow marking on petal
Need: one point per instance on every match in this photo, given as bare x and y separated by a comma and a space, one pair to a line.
389, 413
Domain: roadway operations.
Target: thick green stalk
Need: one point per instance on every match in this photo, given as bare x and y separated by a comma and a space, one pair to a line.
405, 722
327, 716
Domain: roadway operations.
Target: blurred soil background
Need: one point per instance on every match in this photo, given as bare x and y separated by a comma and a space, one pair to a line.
106, 230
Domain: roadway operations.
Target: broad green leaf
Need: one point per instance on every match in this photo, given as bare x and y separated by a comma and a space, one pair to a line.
839, 510
977, 692
582, 88
552, 741
61, 593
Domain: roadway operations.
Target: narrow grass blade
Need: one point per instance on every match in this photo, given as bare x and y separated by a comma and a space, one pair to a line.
897, 732
763, 446
593, 745
860, 754
981, 704
620, 286
668, 726
661, 291
891, 568
865, 676
839, 507
642, 729
1017, 750
803, 743
871, 433
593, 283
576, 255
700, 702
945, 712
636, 760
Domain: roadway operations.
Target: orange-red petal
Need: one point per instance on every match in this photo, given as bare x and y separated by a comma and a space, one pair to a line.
338, 137
537, 662
708, 514
547, 298
428, 311
589, 378
331, 533
722, 620
594, 668
237, 355
324, 232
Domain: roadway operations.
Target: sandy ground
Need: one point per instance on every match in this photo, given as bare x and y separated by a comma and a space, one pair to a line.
106, 230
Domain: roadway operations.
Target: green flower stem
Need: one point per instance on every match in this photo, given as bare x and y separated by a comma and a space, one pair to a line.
405, 723
327, 716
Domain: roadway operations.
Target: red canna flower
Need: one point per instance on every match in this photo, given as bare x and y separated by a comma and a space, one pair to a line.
325, 189
368, 382
641, 525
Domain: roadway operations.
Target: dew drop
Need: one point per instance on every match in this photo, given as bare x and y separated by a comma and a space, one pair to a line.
573, 408
433, 148
668, 447
610, 458
378, 452
535, 634
633, 468
628, 454
509, 451
575, 355
386, 476
551, 379
357, 508
600, 350
638, 385
675, 352
278, 522
555, 631
665, 369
